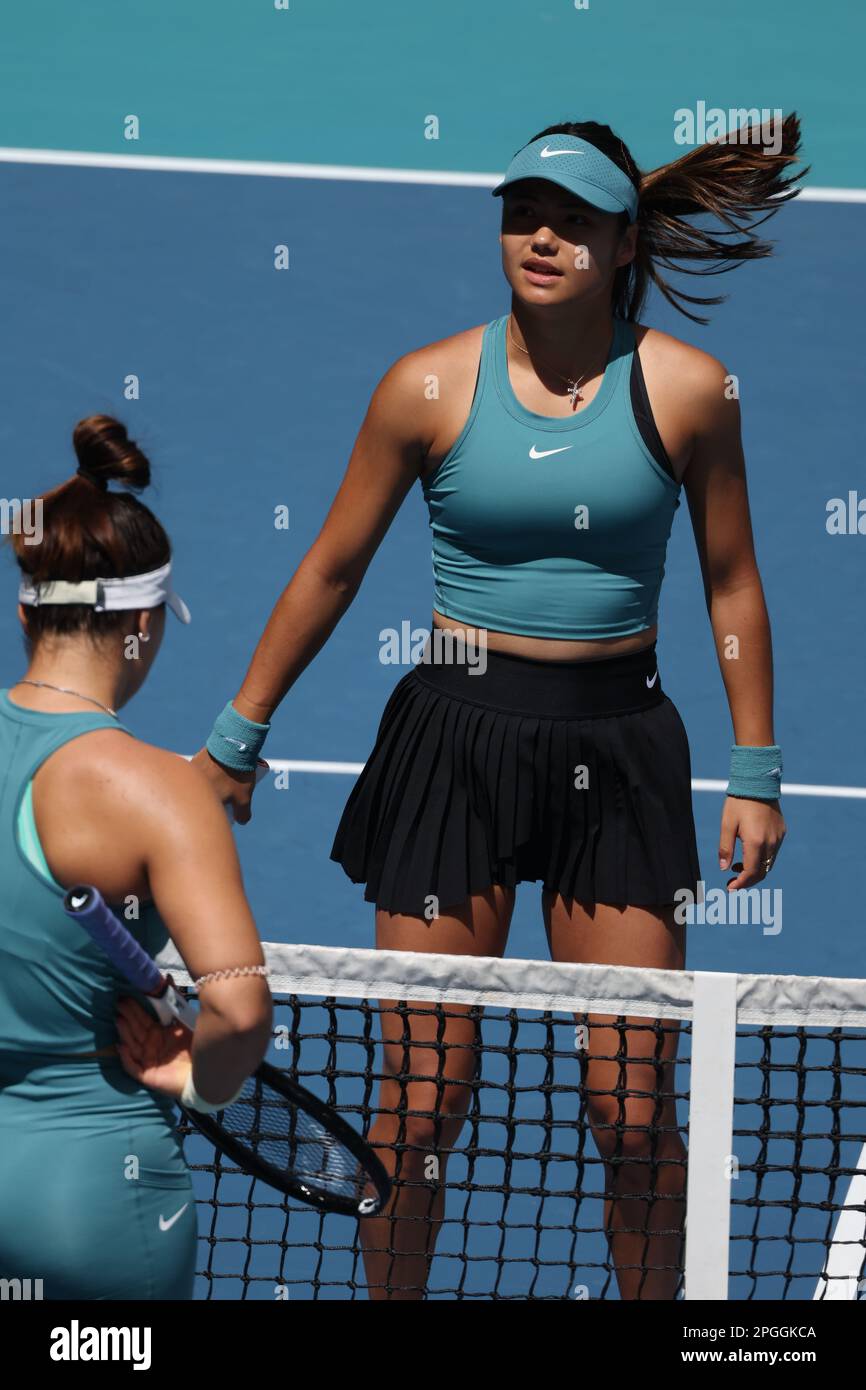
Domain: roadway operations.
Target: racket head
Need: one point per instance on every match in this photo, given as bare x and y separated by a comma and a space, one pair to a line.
284, 1135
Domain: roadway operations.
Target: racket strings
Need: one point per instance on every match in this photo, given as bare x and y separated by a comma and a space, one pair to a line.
290, 1140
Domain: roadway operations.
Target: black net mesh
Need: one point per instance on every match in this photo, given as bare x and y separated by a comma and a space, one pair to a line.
282, 1134
799, 1135
539, 1155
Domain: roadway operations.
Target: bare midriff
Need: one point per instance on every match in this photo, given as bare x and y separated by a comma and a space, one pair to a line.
550, 648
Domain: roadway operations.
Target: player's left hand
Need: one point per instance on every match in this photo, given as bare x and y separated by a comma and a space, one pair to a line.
760, 828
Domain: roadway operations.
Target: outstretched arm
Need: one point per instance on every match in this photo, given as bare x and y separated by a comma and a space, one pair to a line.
385, 461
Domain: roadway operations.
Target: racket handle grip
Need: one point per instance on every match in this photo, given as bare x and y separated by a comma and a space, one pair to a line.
86, 906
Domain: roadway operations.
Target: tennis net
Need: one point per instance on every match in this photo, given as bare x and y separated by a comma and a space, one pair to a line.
545, 1144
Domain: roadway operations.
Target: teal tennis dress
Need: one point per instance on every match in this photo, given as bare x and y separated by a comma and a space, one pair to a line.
95, 1197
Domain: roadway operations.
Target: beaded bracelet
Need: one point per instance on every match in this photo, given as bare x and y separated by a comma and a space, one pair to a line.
225, 974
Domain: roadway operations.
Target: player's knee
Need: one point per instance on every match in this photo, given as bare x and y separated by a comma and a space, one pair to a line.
632, 1132
429, 1120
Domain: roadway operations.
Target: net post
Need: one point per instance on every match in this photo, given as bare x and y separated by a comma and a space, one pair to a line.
711, 1132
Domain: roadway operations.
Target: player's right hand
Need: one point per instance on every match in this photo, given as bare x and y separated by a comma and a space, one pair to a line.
234, 789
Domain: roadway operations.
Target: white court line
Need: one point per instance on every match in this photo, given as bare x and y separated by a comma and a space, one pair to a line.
358, 173
292, 765
708, 784
845, 1258
262, 168
699, 784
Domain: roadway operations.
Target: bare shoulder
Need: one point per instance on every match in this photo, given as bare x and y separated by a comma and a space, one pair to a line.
446, 359
116, 779
105, 801
424, 398
692, 395
114, 764
679, 371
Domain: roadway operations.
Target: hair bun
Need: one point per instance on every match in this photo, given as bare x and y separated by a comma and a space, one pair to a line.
105, 453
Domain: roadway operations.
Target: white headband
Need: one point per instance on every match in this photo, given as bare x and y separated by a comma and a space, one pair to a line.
109, 595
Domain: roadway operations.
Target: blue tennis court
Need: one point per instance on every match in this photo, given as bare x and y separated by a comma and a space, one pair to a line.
233, 283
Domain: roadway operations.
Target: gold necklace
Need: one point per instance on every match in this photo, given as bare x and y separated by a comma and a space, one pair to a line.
573, 386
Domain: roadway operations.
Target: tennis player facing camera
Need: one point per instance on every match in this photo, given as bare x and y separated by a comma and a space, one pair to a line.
552, 456
95, 1198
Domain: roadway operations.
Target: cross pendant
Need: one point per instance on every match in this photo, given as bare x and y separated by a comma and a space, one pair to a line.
574, 393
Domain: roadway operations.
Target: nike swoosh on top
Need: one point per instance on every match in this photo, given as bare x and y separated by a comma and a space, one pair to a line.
167, 1225
548, 154
544, 453
651, 683
241, 746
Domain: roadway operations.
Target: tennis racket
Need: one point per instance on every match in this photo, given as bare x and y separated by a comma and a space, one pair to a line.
276, 1130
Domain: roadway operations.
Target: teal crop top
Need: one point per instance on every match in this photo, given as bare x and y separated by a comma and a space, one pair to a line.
551, 527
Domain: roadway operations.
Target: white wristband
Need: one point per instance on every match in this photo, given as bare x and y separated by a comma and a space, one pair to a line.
191, 1100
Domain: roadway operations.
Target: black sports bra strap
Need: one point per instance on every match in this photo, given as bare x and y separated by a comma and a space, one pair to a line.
643, 415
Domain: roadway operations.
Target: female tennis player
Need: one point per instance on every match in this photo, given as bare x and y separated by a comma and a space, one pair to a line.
552, 446
95, 1198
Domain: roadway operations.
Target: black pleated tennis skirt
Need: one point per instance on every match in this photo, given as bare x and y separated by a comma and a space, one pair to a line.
576, 774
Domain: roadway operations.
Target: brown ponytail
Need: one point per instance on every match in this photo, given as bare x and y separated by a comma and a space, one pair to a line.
91, 533
736, 182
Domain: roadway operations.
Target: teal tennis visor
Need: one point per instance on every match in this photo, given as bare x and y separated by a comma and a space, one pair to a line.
577, 166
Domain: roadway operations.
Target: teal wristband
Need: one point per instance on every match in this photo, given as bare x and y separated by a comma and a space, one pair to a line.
236, 742
756, 772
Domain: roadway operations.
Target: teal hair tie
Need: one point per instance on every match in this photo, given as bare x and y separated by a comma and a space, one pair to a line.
236, 742
756, 772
